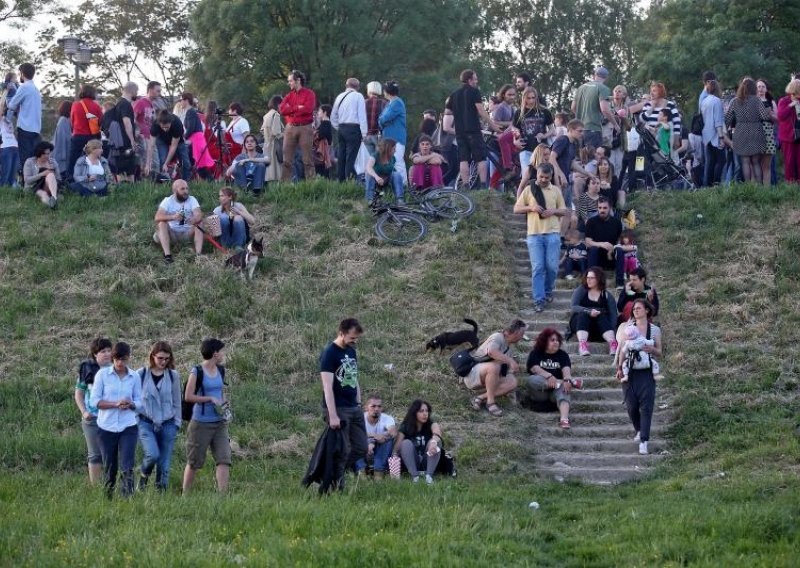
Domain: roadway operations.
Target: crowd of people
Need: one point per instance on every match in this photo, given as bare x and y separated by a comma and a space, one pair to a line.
574, 170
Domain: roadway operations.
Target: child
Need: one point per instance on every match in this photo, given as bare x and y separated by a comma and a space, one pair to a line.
323, 138
427, 168
560, 129
632, 355
627, 245
664, 132
9, 153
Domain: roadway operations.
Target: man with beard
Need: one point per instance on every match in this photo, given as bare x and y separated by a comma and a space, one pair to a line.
176, 220
381, 431
341, 393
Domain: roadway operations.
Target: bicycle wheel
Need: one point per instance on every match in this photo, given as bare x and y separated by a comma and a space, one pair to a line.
400, 228
450, 204
459, 185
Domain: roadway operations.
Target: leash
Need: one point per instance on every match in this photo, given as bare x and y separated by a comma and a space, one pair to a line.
211, 239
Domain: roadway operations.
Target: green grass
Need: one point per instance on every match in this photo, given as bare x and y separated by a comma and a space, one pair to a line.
728, 495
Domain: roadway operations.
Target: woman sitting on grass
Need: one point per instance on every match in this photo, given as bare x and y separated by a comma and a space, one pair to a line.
419, 441
249, 168
234, 219
92, 172
380, 170
594, 311
99, 356
41, 174
551, 373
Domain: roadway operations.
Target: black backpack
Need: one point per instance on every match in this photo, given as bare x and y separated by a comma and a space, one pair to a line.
697, 124
188, 407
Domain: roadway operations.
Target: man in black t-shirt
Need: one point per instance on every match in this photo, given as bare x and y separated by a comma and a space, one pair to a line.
602, 233
166, 135
123, 113
341, 392
467, 106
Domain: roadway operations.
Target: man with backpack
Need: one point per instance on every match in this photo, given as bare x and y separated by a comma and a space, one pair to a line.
208, 426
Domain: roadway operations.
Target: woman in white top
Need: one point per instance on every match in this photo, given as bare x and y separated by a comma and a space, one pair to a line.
234, 219
92, 173
272, 128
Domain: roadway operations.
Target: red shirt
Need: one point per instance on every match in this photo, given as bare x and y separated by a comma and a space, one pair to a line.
290, 103
77, 116
143, 115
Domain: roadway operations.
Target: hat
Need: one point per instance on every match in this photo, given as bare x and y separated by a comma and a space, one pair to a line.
601, 72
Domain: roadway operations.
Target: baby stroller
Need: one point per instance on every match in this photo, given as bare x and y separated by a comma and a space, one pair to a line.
660, 171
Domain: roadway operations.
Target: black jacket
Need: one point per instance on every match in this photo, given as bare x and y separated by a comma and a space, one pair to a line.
327, 462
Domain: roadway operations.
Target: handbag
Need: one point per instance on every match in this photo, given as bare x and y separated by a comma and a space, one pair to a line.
462, 362
442, 140
213, 225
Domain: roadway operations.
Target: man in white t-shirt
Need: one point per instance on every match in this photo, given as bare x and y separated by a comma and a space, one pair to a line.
381, 432
176, 220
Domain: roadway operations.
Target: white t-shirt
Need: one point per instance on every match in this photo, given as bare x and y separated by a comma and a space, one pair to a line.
382, 427
170, 205
238, 128
7, 133
95, 169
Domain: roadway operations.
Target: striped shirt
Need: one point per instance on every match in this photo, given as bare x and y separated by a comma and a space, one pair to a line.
650, 116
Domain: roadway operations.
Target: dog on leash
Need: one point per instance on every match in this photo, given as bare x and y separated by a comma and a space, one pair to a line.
245, 262
453, 338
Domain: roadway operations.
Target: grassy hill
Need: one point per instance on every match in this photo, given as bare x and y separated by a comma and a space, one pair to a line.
726, 265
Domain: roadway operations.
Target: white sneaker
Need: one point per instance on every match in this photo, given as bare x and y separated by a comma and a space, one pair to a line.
428, 479
643, 448
416, 479
637, 437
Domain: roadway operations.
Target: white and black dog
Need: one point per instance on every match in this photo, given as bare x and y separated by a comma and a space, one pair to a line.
248, 258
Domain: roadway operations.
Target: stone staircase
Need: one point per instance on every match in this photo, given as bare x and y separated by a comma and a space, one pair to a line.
599, 447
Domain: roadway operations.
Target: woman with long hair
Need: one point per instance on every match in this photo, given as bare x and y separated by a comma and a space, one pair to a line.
594, 311
234, 219
550, 373
272, 129
381, 170
640, 388
532, 124
250, 167
541, 155
159, 414
419, 441
195, 135
746, 114
766, 98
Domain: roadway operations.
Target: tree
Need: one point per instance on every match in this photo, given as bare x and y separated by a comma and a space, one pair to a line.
732, 37
146, 37
247, 48
559, 43
14, 14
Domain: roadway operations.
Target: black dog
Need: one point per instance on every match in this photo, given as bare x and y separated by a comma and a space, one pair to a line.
453, 338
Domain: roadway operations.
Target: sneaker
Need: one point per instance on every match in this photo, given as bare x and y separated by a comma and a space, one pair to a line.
569, 277
577, 383
549, 300
415, 479
142, 484
583, 348
428, 479
168, 259
642, 448
538, 308
51, 202
637, 437
612, 348
564, 423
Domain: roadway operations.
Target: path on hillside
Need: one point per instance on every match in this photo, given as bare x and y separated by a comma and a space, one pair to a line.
599, 447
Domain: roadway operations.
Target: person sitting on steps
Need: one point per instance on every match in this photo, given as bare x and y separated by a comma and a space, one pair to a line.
550, 375
593, 311
602, 234
495, 369
636, 288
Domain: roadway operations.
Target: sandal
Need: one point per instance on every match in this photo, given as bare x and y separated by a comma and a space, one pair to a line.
564, 423
494, 410
477, 403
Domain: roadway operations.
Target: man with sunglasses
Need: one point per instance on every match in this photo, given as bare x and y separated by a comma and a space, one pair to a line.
381, 431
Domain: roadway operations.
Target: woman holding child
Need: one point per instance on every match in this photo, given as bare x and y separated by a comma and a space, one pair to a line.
640, 387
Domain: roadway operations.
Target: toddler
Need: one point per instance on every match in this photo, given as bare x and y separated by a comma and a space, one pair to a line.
627, 246
632, 355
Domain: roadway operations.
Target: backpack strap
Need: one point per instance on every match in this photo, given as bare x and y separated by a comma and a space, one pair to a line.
650, 356
142, 373
198, 384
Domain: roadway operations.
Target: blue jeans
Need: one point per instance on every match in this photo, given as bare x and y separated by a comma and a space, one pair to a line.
9, 166
380, 456
597, 256
544, 252
119, 450
234, 234
157, 447
397, 184
256, 172
181, 153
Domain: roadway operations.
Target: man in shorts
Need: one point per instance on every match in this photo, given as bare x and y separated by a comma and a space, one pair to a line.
207, 428
467, 106
176, 220
495, 373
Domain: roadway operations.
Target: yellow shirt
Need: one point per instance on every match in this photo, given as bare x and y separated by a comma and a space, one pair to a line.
553, 199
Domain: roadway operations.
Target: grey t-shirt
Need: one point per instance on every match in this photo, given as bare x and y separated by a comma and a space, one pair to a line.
496, 340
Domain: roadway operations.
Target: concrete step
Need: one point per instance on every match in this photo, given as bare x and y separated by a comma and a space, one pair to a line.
598, 460
586, 446
583, 406
597, 394
594, 476
583, 430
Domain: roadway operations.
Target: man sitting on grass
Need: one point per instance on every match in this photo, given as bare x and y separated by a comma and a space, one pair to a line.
494, 374
176, 220
381, 432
